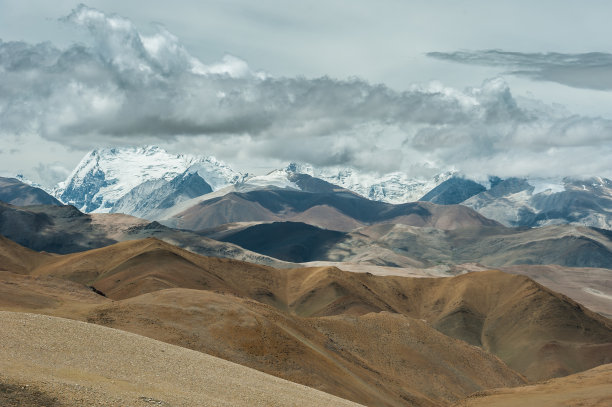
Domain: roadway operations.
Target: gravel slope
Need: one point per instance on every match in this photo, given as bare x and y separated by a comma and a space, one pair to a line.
74, 364
592, 388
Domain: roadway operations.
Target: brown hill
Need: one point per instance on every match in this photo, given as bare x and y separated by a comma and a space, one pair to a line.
135, 267
64, 229
592, 388
536, 331
66, 363
18, 259
591, 287
47, 295
380, 359
340, 211
565, 245
328, 328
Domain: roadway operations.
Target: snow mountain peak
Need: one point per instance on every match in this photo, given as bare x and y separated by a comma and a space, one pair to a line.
105, 175
394, 187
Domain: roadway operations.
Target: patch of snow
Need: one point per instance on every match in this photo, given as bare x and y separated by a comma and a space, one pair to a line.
548, 186
275, 179
394, 187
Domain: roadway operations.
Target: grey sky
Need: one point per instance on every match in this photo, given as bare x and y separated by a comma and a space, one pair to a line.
391, 118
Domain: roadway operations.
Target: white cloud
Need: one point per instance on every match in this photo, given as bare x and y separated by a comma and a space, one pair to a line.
124, 87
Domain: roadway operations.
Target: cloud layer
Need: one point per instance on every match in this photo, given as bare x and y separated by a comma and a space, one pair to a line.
591, 70
123, 87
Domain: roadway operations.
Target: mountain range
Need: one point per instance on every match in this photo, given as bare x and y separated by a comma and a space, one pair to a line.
517, 202
150, 183
169, 262
376, 340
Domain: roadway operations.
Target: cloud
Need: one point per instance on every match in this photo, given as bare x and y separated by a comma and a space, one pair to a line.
51, 173
591, 70
123, 87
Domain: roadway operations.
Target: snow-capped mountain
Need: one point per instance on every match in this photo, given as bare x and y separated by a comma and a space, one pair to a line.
104, 176
395, 187
275, 179
535, 202
151, 183
151, 198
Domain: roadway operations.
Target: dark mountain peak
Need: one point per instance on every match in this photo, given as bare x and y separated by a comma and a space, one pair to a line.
494, 180
15, 192
308, 183
188, 184
509, 186
293, 167
453, 191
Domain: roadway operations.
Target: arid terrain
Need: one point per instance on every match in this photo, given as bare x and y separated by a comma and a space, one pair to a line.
316, 203
587, 389
56, 362
374, 340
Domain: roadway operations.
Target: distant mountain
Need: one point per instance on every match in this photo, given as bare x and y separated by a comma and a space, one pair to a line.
289, 241
104, 176
517, 202
395, 187
288, 178
64, 229
150, 183
398, 245
453, 191
341, 211
15, 192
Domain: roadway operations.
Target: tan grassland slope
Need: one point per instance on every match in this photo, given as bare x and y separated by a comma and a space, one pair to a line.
592, 388
80, 364
379, 359
537, 332
377, 340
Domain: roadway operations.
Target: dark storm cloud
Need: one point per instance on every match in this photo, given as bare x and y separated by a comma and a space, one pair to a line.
124, 87
591, 70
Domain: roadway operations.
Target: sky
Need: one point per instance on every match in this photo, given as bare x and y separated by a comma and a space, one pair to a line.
485, 88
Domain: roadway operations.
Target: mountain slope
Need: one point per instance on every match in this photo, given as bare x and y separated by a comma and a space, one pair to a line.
537, 332
387, 366
398, 245
299, 242
376, 369
276, 205
453, 191
87, 364
15, 192
152, 197
592, 388
516, 202
18, 259
64, 229
321, 352
591, 287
